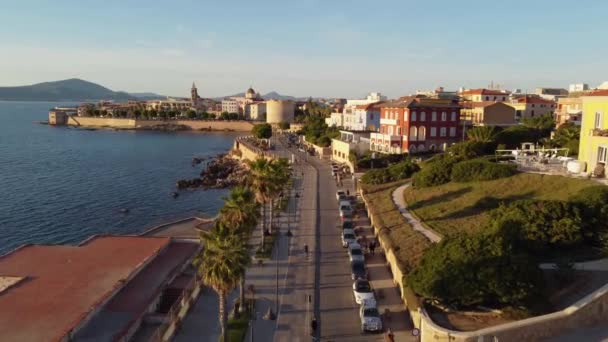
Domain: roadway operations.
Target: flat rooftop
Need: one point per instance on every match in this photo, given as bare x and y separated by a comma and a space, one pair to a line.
62, 285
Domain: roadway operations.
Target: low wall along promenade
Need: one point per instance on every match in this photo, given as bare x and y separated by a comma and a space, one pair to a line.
197, 125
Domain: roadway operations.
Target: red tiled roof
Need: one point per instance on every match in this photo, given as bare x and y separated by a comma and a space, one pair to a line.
470, 104
598, 92
369, 105
485, 92
534, 99
64, 284
416, 102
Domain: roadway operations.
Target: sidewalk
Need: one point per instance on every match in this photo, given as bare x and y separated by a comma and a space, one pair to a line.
416, 225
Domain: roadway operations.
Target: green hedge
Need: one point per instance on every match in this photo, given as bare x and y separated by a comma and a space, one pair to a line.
481, 170
437, 172
402, 170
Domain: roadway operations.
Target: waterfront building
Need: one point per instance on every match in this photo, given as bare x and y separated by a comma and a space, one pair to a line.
256, 111
593, 148
59, 115
414, 124
529, 106
279, 111
230, 105
569, 109
170, 104
237, 104
551, 94
487, 113
105, 289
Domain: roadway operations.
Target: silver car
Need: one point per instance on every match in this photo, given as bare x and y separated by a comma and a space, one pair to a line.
370, 319
363, 292
348, 237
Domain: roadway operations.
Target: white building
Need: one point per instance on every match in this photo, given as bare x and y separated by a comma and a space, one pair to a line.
255, 111
365, 117
371, 98
576, 87
350, 142
230, 106
335, 120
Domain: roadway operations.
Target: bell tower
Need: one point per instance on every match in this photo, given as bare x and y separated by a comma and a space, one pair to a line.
194, 95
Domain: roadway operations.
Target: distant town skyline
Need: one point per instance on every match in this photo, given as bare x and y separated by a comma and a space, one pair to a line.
308, 48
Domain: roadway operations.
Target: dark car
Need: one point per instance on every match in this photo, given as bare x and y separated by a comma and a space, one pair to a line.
348, 225
357, 270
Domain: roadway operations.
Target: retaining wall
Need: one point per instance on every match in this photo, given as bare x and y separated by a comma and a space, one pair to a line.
198, 125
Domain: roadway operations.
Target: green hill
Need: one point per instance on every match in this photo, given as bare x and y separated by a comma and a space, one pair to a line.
73, 89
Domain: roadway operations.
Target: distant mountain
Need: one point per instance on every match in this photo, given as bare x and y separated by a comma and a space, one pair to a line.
273, 95
73, 89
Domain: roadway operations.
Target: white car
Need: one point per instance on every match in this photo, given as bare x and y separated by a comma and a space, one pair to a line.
348, 237
346, 211
355, 253
370, 319
364, 294
340, 194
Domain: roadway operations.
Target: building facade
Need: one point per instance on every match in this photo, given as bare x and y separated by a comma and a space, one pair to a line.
411, 125
593, 148
256, 111
569, 109
530, 106
366, 117
230, 106
487, 113
350, 142
551, 94
480, 95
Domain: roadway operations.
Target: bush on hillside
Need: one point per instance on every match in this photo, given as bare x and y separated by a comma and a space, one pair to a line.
592, 202
476, 269
536, 226
481, 170
262, 131
437, 172
514, 136
471, 149
395, 172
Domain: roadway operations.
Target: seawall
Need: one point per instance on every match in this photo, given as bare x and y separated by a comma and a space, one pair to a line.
196, 125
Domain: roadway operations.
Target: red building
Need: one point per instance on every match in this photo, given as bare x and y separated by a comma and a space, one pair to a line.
413, 124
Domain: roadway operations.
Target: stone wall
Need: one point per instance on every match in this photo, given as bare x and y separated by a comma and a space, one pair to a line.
198, 125
243, 150
589, 311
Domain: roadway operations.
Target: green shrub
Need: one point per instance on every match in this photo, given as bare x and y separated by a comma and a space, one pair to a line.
592, 202
435, 173
476, 269
481, 170
395, 172
471, 149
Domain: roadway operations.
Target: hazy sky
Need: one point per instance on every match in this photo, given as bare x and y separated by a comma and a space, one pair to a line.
304, 47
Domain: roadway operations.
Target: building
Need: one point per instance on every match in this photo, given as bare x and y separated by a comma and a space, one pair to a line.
278, 111
412, 124
256, 111
569, 109
230, 105
487, 113
104, 289
366, 117
578, 87
59, 115
170, 104
551, 94
530, 106
439, 93
335, 119
350, 142
481, 95
593, 148
370, 98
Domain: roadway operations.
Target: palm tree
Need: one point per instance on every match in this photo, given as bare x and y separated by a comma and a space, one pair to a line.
279, 175
484, 134
222, 264
261, 183
241, 212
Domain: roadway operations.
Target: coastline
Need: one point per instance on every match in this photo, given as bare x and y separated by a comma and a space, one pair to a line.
155, 125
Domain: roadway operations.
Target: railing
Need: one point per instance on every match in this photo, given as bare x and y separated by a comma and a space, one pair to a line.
172, 316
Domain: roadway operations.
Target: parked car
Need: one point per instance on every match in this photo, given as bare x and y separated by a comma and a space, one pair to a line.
346, 211
340, 195
348, 225
364, 294
370, 319
355, 253
348, 237
357, 270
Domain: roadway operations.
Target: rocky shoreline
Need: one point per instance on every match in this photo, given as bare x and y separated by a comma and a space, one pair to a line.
220, 172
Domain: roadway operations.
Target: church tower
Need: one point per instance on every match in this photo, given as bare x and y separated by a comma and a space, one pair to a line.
194, 95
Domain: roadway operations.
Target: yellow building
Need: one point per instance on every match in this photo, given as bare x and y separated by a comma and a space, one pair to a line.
487, 113
530, 106
593, 148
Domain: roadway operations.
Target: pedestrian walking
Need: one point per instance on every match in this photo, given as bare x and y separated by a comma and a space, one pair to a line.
306, 250
372, 246
388, 336
347, 192
313, 326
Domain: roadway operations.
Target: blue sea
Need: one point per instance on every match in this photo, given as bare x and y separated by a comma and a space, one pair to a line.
62, 185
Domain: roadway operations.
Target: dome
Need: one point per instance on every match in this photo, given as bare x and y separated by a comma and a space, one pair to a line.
250, 94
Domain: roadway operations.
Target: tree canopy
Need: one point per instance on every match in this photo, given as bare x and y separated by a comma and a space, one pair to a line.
262, 131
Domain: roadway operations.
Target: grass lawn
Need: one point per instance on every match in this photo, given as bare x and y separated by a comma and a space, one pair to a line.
265, 251
237, 327
408, 244
463, 207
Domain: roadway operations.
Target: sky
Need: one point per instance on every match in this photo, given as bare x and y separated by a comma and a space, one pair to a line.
328, 48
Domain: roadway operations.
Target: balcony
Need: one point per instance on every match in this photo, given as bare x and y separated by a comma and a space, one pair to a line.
597, 132
384, 121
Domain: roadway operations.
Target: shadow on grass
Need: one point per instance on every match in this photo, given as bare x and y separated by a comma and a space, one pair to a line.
448, 196
486, 203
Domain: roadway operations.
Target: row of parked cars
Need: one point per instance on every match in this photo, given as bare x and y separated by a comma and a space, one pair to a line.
362, 288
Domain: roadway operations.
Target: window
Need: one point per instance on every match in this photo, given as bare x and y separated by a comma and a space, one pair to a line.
487, 98
532, 114
421, 148
422, 116
433, 131
452, 131
390, 130
444, 116
453, 118
413, 116
434, 116
598, 120
398, 130
405, 116
602, 154
371, 116
413, 134
422, 133
442, 132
